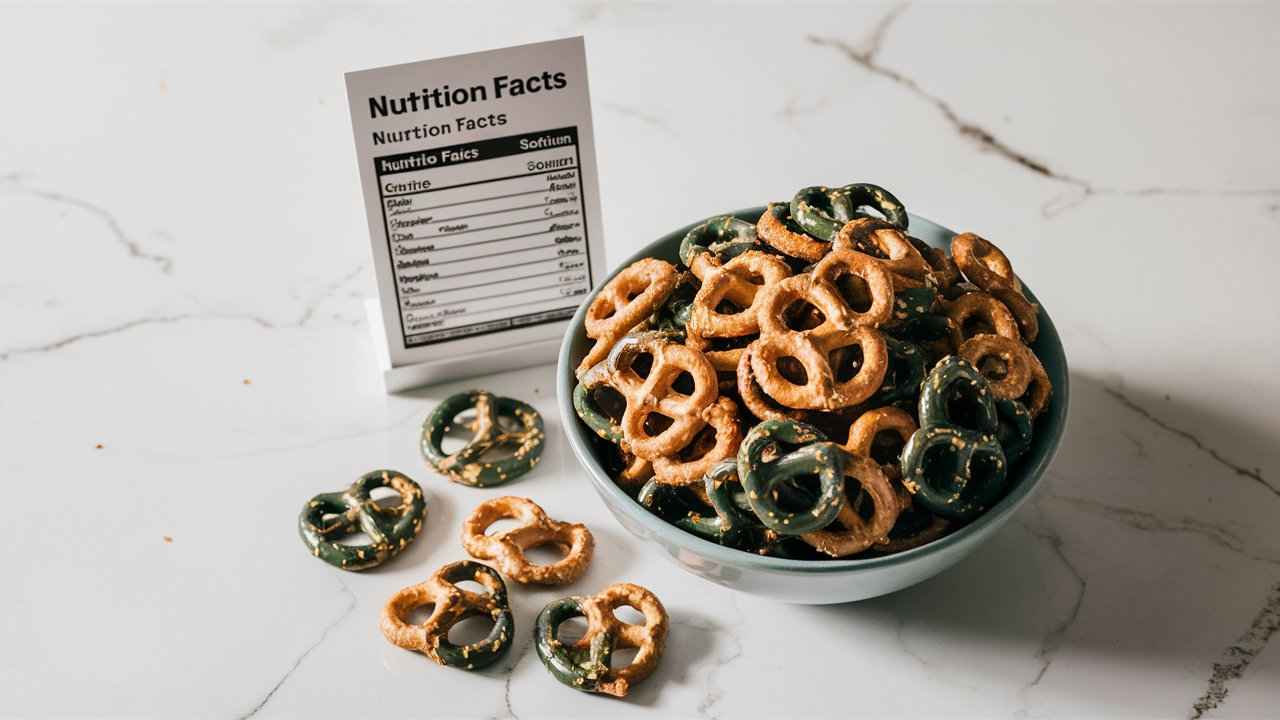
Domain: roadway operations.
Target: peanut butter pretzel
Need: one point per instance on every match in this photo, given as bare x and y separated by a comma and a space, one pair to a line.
856, 534
584, 664
654, 393
624, 303
993, 314
451, 605
776, 228
506, 549
988, 268
889, 246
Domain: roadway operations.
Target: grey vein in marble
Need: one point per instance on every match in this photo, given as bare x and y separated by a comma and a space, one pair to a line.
865, 57
1236, 658
1254, 474
712, 692
324, 634
309, 311
123, 327
651, 120
131, 246
1052, 640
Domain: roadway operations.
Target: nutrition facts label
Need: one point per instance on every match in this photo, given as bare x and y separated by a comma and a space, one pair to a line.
485, 236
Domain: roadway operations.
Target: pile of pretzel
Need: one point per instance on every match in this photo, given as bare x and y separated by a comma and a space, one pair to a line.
707, 380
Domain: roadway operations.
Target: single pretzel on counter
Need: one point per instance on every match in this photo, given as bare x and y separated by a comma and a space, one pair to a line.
585, 663
329, 517
451, 604
467, 465
506, 549
625, 302
986, 266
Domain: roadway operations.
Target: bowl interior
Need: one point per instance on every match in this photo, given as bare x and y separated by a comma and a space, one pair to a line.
1026, 473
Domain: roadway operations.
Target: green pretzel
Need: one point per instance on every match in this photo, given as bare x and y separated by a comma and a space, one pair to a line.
579, 668
822, 211
764, 481
465, 465
912, 303
954, 465
731, 523
390, 529
1014, 433
724, 236
588, 410
906, 372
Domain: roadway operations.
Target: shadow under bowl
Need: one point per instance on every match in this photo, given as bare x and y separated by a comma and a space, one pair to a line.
812, 581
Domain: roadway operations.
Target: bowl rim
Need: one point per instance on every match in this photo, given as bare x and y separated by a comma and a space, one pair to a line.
578, 436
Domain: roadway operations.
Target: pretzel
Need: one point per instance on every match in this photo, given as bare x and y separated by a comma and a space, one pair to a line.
466, 465
714, 241
763, 481
451, 605
995, 318
822, 211
863, 432
690, 463
584, 664
506, 548
754, 398
636, 473
943, 272
840, 264
654, 394
812, 348
625, 302
737, 281
390, 529
776, 228
954, 470
1015, 429
889, 246
855, 533
988, 268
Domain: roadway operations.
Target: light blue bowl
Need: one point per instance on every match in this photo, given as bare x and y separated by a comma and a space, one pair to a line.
814, 581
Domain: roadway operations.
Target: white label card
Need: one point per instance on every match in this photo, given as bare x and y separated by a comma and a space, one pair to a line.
479, 177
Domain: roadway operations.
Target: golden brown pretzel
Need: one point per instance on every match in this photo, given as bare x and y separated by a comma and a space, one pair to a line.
689, 464
506, 548
878, 285
889, 246
738, 282
987, 267
812, 348
624, 303
655, 394
994, 316
754, 398
863, 432
1014, 357
855, 533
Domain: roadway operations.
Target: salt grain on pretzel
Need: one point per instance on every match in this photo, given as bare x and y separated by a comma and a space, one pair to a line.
534, 529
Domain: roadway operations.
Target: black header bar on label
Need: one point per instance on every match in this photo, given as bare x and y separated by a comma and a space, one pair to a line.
473, 151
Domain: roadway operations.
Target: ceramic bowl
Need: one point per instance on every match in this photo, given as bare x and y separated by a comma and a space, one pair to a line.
813, 581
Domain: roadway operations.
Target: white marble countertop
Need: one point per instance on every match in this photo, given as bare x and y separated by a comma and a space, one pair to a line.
184, 358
